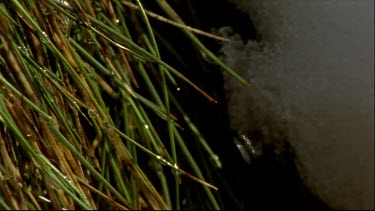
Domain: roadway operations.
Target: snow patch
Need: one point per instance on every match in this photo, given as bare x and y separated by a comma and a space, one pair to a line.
313, 78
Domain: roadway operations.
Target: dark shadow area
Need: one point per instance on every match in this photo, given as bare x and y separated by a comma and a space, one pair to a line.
271, 182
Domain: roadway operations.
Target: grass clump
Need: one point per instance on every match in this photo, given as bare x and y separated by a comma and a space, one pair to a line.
88, 114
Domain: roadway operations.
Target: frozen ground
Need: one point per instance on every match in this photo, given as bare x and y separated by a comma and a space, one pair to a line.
313, 71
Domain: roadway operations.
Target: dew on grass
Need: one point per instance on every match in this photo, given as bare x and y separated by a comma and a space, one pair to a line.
93, 113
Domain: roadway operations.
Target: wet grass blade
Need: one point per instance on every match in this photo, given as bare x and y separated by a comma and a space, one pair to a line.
87, 115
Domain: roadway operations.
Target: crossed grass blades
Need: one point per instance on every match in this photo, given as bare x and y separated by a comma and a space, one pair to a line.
84, 95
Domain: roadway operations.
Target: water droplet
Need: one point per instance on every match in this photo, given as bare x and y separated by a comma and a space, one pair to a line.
44, 69
245, 147
24, 49
64, 2
28, 135
216, 161
45, 38
73, 105
146, 126
175, 170
93, 113
158, 157
178, 89
165, 162
107, 125
249, 145
117, 21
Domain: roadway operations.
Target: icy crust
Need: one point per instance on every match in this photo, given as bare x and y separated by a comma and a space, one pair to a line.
313, 77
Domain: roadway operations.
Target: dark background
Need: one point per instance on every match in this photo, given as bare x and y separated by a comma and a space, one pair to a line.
271, 182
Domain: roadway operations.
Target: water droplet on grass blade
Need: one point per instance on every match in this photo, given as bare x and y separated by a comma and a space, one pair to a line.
245, 147
243, 150
73, 105
216, 161
24, 49
249, 145
45, 38
107, 125
175, 166
176, 170
93, 113
64, 3
44, 69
